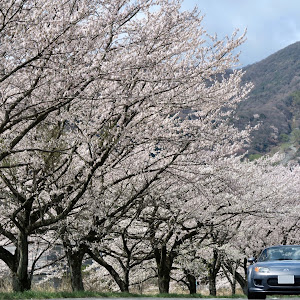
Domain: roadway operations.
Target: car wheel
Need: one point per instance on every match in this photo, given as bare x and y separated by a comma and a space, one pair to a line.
256, 296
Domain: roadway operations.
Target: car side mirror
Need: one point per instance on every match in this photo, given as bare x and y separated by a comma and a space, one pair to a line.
252, 260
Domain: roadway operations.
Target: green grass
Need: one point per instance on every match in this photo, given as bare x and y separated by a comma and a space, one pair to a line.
191, 296
51, 295
87, 294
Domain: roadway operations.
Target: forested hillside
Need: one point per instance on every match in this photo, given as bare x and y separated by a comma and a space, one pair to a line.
274, 102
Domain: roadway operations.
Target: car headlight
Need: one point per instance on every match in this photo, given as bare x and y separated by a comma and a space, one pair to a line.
261, 269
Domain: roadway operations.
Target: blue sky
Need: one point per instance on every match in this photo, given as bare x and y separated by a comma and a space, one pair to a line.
271, 24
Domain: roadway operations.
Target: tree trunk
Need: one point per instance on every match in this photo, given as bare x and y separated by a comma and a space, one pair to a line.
213, 269
233, 285
20, 278
20, 284
164, 282
239, 278
232, 280
164, 263
192, 283
122, 284
212, 286
75, 259
126, 280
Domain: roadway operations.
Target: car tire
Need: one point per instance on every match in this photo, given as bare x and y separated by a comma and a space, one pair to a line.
256, 296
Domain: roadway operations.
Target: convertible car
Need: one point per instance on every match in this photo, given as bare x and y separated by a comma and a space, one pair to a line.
275, 272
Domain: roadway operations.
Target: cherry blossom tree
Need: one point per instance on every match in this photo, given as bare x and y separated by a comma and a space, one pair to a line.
92, 94
270, 205
122, 253
236, 195
153, 126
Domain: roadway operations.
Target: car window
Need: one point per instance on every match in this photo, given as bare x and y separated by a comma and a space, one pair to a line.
280, 253
263, 256
296, 255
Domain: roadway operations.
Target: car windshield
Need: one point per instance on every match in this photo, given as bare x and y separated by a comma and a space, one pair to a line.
280, 253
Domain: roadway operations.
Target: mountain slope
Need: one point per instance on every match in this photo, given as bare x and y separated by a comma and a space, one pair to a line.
274, 102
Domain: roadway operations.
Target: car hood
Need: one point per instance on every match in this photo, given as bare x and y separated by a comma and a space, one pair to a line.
280, 265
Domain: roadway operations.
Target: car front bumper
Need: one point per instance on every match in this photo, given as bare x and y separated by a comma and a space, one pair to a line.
268, 284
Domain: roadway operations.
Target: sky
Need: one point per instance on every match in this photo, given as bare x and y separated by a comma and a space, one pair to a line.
271, 24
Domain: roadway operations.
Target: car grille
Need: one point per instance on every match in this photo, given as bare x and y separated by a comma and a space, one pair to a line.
274, 282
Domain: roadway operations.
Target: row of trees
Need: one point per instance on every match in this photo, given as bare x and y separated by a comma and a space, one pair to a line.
116, 142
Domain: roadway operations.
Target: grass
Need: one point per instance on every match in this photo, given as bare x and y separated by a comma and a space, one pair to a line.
51, 295
87, 294
190, 296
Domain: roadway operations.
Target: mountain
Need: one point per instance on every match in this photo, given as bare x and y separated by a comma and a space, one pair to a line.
274, 102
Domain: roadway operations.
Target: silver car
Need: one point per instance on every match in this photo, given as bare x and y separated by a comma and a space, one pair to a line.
276, 271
